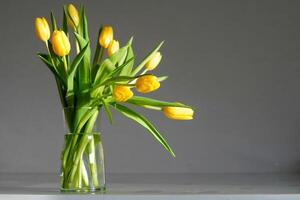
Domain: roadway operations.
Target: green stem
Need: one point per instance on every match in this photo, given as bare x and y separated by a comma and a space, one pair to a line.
91, 150
65, 64
74, 170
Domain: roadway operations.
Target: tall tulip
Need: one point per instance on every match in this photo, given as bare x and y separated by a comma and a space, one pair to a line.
178, 113
73, 14
106, 36
42, 29
60, 43
147, 83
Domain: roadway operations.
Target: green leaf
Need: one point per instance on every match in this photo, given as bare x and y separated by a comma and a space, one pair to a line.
113, 80
118, 70
65, 21
65, 28
83, 26
98, 55
119, 57
107, 111
85, 117
53, 22
146, 124
126, 71
110, 64
140, 101
103, 70
146, 59
46, 59
83, 73
162, 78
77, 60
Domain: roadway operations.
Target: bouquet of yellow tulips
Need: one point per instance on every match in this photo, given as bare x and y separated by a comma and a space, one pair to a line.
87, 85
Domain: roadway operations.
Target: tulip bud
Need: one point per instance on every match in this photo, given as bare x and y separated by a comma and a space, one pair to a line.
154, 61
178, 113
42, 29
60, 43
147, 83
73, 14
122, 93
113, 47
106, 36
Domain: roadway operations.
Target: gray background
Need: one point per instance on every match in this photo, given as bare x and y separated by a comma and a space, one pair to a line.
236, 62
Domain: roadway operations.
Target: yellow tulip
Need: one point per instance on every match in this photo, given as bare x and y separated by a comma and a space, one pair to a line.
106, 36
154, 61
60, 43
113, 47
122, 93
147, 83
73, 14
42, 29
178, 113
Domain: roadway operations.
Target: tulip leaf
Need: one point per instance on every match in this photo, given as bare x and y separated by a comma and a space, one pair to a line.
83, 72
83, 26
46, 59
145, 101
146, 59
162, 78
77, 60
65, 20
113, 80
126, 71
53, 22
119, 57
98, 55
104, 69
145, 123
65, 28
110, 64
119, 69
107, 111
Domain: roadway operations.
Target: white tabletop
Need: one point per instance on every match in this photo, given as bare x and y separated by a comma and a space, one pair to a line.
160, 186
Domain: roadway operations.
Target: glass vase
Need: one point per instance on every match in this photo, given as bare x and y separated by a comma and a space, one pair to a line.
82, 158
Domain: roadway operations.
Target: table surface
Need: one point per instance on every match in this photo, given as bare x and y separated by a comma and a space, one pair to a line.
159, 186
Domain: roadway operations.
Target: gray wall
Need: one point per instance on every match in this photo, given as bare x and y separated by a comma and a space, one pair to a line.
236, 62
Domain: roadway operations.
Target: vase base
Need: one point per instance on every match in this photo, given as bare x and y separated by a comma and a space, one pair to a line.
84, 190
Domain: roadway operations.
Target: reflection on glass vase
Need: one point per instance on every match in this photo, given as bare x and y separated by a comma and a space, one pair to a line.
82, 159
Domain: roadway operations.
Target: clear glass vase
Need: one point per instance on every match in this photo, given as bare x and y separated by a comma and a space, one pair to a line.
82, 158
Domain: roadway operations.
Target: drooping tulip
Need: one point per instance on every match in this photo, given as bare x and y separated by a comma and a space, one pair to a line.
147, 83
178, 113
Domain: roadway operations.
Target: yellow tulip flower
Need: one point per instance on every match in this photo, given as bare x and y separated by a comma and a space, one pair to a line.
178, 113
113, 47
147, 83
60, 43
42, 29
73, 14
106, 36
122, 93
154, 61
